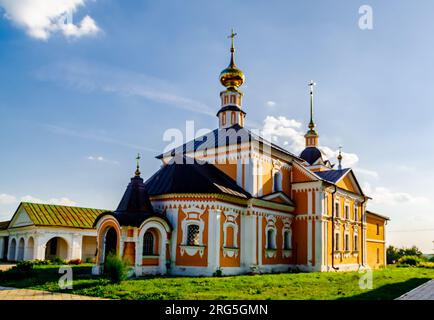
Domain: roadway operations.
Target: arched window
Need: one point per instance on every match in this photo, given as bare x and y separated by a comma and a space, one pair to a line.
232, 117
356, 243
193, 235
148, 244
336, 241
230, 241
271, 237
347, 242
277, 181
225, 99
223, 118
232, 99
287, 245
337, 214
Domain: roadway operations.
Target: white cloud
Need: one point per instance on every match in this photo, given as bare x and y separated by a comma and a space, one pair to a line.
270, 103
383, 195
101, 159
7, 199
61, 201
282, 128
42, 18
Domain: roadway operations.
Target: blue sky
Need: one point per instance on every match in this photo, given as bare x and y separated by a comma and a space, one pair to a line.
76, 105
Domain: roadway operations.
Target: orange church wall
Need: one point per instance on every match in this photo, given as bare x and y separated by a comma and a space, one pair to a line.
267, 178
196, 260
371, 228
150, 261
235, 260
286, 182
299, 248
228, 168
278, 259
300, 199
299, 176
129, 252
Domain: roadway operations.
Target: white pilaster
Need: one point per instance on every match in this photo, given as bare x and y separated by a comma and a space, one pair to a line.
309, 228
240, 172
248, 175
2, 243
255, 176
260, 240
214, 245
259, 178
172, 215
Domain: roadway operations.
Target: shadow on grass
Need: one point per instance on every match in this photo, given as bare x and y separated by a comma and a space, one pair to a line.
389, 291
39, 276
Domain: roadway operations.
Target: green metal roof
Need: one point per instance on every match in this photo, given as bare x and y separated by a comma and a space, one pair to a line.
61, 216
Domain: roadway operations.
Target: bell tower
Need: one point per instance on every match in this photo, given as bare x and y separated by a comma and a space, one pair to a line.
232, 78
311, 135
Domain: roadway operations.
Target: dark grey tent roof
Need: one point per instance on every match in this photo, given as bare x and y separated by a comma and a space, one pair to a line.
185, 175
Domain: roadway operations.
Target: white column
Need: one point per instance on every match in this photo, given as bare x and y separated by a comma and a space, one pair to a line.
2, 243
260, 245
259, 178
76, 247
40, 245
214, 240
240, 172
255, 176
162, 262
248, 175
309, 228
172, 215
319, 247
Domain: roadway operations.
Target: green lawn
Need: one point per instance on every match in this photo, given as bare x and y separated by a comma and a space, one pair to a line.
387, 284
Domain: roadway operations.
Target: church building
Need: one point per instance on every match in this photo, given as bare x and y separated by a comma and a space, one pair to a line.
235, 202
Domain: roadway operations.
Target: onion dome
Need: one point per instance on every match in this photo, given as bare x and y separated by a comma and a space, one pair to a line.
311, 154
232, 76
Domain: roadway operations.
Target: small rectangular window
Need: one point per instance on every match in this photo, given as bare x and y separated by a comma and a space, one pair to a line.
378, 255
347, 212
378, 229
356, 243
337, 210
356, 213
337, 241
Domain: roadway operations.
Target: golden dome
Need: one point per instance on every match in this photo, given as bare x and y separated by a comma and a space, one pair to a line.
232, 76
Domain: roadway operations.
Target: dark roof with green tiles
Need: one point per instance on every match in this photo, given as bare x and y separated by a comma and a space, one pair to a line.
60, 216
4, 225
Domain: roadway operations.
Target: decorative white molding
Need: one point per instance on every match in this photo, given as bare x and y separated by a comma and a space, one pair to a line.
270, 253
192, 250
230, 252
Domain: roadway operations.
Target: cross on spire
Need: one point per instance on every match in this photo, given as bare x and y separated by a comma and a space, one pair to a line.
138, 165
339, 157
232, 36
311, 123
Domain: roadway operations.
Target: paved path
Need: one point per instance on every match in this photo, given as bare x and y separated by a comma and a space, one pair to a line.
423, 292
27, 294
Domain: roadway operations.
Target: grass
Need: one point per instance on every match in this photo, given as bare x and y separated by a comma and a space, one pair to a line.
387, 284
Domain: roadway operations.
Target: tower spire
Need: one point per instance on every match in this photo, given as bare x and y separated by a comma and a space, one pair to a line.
232, 37
137, 173
232, 79
311, 135
339, 157
311, 123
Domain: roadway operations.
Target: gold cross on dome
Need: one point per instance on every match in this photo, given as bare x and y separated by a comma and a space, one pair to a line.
138, 165
232, 36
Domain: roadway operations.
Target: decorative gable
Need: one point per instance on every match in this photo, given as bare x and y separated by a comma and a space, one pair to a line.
21, 219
